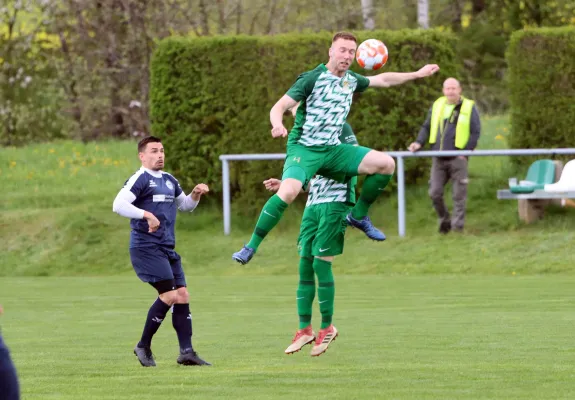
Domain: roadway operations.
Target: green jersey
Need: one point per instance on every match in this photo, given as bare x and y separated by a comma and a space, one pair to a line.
325, 102
325, 190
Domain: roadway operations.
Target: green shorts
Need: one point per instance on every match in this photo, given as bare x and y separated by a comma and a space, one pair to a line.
322, 230
334, 162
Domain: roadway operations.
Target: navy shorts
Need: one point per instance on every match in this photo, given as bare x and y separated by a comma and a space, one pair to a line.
9, 387
156, 263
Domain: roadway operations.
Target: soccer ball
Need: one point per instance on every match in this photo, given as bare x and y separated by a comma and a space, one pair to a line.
371, 54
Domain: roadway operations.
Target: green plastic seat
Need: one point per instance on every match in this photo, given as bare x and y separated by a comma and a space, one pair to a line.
539, 174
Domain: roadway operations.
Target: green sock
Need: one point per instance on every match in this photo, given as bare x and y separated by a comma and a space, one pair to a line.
325, 290
305, 291
269, 217
372, 188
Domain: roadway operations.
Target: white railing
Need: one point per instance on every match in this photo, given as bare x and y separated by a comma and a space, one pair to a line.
400, 171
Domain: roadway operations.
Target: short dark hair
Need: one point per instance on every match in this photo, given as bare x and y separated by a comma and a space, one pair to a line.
144, 142
345, 36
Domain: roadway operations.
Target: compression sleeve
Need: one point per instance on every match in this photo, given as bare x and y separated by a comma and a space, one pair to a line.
186, 203
124, 207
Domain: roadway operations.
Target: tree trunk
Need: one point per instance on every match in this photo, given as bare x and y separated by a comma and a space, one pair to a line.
423, 13
368, 13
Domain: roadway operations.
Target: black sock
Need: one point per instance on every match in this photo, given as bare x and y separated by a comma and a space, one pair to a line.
182, 321
156, 315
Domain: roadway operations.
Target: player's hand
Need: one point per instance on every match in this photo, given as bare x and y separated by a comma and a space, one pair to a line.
414, 147
1, 309
279, 131
427, 70
199, 190
153, 222
273, 185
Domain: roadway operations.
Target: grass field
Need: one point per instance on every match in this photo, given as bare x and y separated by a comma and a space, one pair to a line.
400, 338
484, 315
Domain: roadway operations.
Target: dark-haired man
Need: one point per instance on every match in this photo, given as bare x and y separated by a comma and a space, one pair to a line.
151, 198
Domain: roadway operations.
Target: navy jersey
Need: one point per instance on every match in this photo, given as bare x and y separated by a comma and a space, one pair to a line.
156, 192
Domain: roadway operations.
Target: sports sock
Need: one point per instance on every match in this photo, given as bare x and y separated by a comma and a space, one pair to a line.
182, 321
156, 315
325, 290
305, 291
269, 217
372, 188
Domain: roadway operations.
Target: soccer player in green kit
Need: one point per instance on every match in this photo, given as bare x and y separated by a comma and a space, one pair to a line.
321, 238
314, 147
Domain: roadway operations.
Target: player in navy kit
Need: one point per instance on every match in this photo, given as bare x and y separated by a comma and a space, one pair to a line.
9, 386
151, 198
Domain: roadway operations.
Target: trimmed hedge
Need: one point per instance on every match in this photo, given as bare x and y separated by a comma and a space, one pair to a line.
542, 88
212, 96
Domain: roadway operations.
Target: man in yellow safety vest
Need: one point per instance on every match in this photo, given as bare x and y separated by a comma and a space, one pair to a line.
452, 124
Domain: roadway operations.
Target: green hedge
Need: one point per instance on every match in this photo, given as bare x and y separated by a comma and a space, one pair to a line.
542, 88
212, 96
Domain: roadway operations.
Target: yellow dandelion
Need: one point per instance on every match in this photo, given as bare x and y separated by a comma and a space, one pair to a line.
116, 163
51, 151
83, 163
12, 164
62, 163
499, 137
77, 154
513, 273
97, 147
505, 129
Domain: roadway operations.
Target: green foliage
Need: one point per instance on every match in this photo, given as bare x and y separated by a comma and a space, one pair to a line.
481, 48
212, 96
30, 99
542, 87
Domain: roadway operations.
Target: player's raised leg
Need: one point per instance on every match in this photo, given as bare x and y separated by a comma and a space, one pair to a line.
270, 215
379, 168
300, 166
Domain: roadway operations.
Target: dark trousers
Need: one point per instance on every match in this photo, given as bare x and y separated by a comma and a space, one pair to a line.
9, 388
444, 169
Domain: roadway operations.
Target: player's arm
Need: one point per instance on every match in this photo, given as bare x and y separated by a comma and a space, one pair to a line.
277, 113
123, 206
190, 202
387, 79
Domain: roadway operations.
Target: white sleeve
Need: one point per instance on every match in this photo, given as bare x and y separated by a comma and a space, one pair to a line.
186, 203
123, 205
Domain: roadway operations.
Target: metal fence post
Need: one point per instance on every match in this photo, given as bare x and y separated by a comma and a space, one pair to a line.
400, 196
226, 194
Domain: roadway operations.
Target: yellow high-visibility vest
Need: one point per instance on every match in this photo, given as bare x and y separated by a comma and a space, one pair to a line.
462, 129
